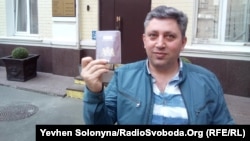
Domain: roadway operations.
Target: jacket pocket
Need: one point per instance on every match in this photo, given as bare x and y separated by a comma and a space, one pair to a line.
203, 112
133, 100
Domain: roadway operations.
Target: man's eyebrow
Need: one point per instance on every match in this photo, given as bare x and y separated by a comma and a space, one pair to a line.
152, 31
165, 32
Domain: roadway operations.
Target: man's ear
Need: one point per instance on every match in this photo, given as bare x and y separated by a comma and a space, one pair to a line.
184, 42
143, 39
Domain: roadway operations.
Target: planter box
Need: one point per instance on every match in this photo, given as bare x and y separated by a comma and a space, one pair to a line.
21, 69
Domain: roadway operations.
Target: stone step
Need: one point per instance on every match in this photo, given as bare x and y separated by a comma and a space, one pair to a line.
78, 80
75, 91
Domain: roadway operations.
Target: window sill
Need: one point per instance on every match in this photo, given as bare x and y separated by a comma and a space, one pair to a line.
16, 40
218, 51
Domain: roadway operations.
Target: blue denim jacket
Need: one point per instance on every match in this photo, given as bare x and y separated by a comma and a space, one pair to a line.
128, 99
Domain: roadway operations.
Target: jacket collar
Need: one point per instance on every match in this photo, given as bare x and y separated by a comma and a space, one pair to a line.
180, 73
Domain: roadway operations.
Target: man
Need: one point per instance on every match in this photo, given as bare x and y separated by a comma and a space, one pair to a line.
158, 90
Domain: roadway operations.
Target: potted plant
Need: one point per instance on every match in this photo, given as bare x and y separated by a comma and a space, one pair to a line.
184, 59
20, 65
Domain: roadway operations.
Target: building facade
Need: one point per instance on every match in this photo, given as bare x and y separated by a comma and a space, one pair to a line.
63, 31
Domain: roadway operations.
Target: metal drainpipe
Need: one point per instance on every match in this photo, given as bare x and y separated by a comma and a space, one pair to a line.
78, 40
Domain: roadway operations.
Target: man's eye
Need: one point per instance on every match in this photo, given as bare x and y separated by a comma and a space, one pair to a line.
152, 35
170, 37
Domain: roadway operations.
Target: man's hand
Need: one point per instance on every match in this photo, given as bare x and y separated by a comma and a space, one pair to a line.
92, 71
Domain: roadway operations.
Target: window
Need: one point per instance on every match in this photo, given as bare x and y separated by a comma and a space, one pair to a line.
223, 21
26, 17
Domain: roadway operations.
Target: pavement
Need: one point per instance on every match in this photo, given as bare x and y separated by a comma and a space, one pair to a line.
40, 100
43, 100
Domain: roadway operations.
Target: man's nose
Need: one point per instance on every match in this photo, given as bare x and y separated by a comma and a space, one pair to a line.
161, 41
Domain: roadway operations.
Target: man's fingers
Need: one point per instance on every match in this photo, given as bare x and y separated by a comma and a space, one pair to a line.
89, 66
85, 61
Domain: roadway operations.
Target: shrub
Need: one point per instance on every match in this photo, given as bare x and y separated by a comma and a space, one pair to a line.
184, 59
19, 53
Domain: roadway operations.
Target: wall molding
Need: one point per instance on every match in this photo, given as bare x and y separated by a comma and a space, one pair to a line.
229, 52
218, 52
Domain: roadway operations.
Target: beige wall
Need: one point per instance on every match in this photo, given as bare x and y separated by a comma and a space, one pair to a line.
45, 18
89, 19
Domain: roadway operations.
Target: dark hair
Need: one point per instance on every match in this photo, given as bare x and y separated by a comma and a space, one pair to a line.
163, 12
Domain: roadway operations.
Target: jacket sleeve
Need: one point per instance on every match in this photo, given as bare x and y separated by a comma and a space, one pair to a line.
100, 108
222, 114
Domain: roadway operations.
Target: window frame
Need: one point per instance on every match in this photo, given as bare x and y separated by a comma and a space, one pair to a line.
28, 30
220, 40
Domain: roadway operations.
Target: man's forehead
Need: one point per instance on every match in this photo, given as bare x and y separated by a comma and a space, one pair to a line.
166, 25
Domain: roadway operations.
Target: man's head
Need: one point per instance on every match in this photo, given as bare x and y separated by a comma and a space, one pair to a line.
164, 36
163, 12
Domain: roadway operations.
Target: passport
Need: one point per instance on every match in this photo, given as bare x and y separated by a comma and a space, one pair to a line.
108, 46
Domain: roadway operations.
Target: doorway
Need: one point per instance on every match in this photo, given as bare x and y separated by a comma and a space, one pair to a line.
127, 16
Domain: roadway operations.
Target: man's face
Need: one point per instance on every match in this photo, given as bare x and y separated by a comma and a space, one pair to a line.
163, 42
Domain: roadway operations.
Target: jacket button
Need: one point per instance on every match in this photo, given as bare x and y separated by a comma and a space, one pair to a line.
138, 105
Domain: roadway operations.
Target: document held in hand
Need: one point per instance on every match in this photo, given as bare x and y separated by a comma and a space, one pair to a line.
108, 46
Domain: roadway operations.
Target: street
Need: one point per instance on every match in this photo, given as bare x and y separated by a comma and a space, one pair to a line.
21, 110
